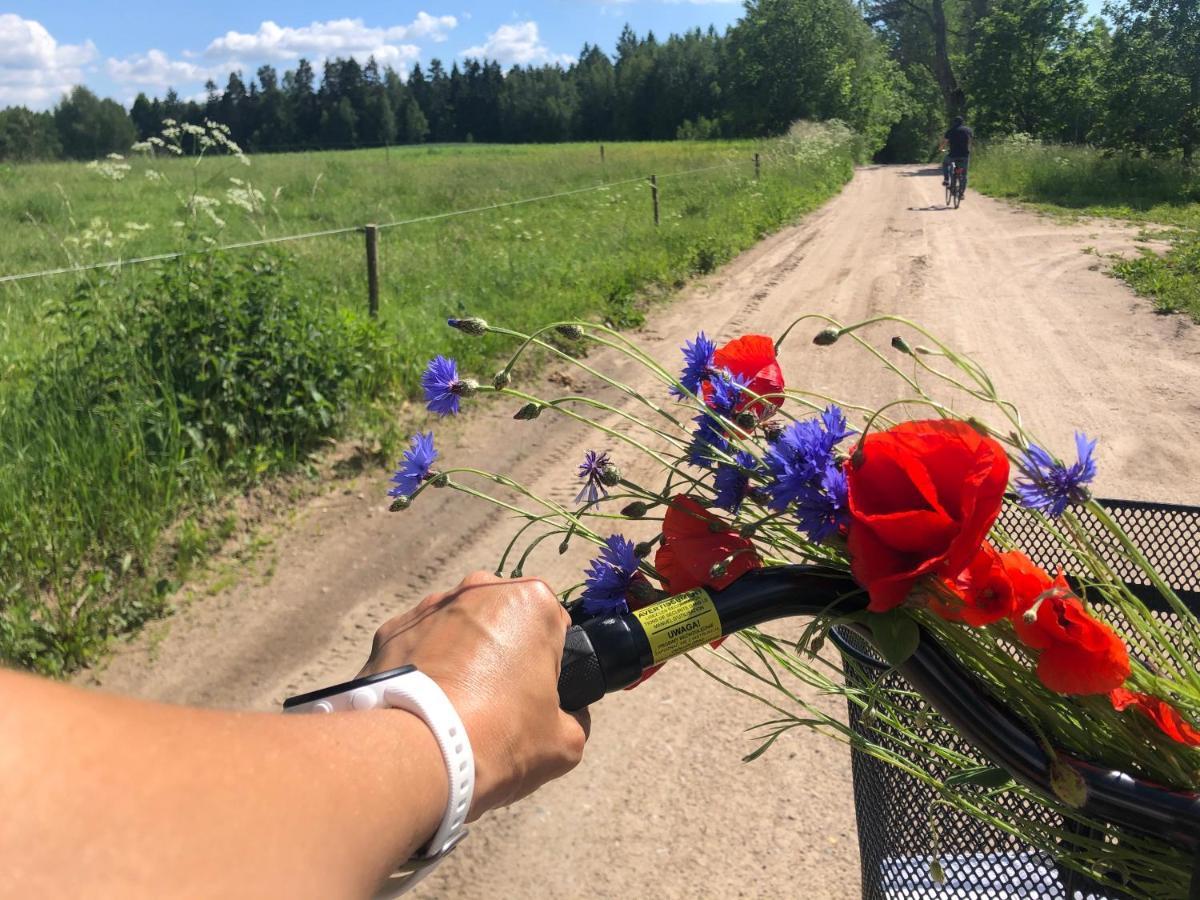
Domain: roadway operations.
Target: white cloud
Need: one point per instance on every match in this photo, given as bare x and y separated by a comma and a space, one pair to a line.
36, 70
336, 37
517, 44
155, 69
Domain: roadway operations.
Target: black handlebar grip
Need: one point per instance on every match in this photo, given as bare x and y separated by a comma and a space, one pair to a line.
581, 680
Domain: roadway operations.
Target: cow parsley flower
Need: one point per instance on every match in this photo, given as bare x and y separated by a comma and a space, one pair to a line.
443, 387
415, 466
732, 482
591, 470
609, 578
697, 364
1050, 486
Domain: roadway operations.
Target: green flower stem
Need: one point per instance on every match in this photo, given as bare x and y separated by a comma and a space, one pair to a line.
1168, 593
612, 382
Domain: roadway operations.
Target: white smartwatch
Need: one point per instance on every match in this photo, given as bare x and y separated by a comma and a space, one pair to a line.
408, 689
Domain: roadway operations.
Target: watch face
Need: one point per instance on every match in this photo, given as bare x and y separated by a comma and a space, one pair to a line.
345, 686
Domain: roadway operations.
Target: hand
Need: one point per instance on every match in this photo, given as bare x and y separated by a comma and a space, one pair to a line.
494, 646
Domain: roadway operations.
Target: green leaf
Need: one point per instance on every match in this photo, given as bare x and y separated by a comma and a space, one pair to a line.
982, 776
895, 636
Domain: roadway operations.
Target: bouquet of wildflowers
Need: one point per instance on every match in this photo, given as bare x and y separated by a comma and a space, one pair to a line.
743, 471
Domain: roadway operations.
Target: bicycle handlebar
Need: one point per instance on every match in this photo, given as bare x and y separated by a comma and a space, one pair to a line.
608, 653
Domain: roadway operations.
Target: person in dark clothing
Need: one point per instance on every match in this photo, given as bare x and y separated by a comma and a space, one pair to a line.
959, 139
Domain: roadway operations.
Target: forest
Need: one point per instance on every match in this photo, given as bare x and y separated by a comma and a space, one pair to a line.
893, 70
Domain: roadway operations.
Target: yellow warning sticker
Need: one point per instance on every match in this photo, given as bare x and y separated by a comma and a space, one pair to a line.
679, 624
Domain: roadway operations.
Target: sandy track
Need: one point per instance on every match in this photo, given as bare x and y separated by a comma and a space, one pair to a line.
662, 806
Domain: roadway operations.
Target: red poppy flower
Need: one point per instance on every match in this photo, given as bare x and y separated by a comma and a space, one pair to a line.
922, 497
1079, 653
1029, 581
753, 357
983, 591
1158, 711
690, 549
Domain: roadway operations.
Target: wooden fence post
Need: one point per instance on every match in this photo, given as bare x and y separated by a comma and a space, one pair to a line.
602, 153
372, 235
756, 167
654, 195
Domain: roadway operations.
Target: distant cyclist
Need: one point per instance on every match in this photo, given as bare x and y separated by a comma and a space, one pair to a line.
959, 139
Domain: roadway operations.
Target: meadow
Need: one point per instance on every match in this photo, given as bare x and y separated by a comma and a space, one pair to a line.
1161, 194
132, 398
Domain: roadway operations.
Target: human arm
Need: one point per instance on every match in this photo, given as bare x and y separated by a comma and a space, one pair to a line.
108, 796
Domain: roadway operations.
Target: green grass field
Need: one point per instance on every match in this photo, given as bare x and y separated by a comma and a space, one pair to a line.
1088, 182
132, 398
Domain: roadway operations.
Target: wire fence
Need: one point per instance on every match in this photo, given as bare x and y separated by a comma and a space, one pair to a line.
371, 229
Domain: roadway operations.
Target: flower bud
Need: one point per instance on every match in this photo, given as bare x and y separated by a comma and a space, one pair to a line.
772, 431
403, 501
570, 330
527, 412
610, 475
901, 344
464, 387
1068, 785
748, 530
936, 873
745, 420
472, 325
718, 570
716, 526
857, 458
643, 549
635, 510
518, 572
566, 542
501, 380
827, 336
440, 480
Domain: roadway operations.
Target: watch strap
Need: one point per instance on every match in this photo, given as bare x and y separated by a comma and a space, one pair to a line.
415, 692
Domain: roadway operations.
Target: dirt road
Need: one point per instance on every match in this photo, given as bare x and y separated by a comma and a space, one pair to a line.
662, 806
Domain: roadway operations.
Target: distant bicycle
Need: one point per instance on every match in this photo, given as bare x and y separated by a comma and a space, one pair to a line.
956, 187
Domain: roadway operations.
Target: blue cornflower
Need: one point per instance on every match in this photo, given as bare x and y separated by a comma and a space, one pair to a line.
591, 470
799, 459
1048, 485
709, 439
415, 466
609, 578
732, 482
822, 509
805, 473
443, 387
697, 364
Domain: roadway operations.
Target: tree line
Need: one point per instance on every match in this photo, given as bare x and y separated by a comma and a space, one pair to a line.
894, 70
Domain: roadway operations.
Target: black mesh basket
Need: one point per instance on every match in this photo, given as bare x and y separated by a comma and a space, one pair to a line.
896, 816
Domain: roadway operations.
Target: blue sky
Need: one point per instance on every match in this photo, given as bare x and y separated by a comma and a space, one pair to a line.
148, 45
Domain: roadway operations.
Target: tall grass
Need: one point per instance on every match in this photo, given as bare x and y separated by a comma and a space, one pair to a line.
131, 396
1087, 181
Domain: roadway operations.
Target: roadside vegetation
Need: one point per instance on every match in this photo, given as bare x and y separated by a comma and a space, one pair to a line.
1162, 194
133, 398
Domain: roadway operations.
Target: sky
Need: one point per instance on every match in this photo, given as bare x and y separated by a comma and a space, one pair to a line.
47, 46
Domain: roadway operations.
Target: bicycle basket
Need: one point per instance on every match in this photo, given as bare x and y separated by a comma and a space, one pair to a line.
895, 813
